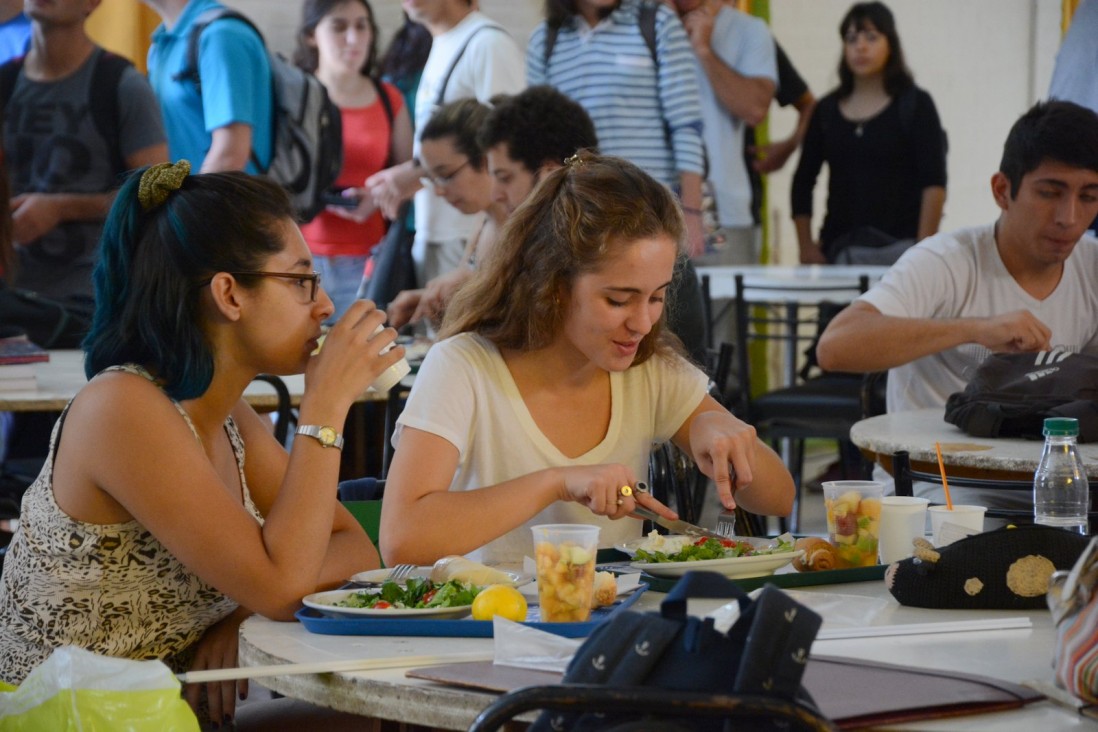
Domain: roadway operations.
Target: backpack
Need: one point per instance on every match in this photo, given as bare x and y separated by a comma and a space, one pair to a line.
102, 99
1011, 394
307, 148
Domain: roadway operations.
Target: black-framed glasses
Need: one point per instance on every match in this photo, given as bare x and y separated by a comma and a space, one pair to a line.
312, 278
438, 181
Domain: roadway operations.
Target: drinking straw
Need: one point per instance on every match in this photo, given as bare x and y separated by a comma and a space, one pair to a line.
942, 469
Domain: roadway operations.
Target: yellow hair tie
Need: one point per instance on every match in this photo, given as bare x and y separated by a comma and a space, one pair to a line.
159, 181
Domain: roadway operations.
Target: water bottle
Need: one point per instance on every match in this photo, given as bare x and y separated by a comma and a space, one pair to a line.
1061, 497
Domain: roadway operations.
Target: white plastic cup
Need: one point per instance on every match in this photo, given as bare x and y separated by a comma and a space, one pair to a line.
565, 557
903, 518
391, 376
947, 526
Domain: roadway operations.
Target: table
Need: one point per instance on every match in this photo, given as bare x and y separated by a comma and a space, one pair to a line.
722, 279
971, 457
1012, 655
63, 375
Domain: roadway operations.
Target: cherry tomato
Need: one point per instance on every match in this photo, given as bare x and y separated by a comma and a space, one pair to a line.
427, 597
382, 604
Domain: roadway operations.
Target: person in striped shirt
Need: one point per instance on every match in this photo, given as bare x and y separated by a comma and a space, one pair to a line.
641, 93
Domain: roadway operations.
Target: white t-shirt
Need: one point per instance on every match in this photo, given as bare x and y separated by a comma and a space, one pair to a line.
743, 42
492, 64
960, 274
465, 394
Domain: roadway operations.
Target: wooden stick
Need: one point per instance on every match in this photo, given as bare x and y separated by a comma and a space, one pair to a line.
942, 469
322, 667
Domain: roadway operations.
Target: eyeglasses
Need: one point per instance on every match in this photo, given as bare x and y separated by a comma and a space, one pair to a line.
313, 279
435, 182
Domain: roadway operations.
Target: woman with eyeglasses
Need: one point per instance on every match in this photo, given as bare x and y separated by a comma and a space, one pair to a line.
456, 168
166, 511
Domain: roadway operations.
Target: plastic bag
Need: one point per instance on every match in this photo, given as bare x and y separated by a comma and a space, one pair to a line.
75, 689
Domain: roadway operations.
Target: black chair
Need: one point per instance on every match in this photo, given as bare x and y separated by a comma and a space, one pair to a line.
809, 405
745, 712
285, 416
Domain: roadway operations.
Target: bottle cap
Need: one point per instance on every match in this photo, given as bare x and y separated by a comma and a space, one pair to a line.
1061, 427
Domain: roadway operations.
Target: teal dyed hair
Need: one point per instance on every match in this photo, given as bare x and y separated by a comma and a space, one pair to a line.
152, 265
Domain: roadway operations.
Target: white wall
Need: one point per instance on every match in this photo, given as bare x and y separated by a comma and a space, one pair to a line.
983, 61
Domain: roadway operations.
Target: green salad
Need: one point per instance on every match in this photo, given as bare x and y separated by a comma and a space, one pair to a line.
708, 548
415, 593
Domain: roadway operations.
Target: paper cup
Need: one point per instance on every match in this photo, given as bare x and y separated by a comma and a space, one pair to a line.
565, 557
391, 376
853, 519
948, 526
903, 518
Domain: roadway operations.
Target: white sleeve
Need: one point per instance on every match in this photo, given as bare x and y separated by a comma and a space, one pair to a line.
679, 389
922, 284
500, 64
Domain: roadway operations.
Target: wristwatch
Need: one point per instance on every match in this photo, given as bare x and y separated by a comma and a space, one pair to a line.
326, 436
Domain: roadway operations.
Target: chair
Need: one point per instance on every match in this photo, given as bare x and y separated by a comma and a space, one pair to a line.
745, 711
807, 405
905, 478
284, 412
362, 497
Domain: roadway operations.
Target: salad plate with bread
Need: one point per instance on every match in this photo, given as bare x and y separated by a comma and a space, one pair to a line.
734, 557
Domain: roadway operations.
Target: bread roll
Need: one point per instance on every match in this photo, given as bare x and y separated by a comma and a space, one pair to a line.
819, 554
606, 589
466, 570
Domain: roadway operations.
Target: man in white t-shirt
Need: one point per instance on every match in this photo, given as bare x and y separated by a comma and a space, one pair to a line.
471, 56
1028, 282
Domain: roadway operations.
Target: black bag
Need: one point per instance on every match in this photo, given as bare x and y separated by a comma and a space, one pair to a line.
47, 322
393, 269
1012, 394
764, 653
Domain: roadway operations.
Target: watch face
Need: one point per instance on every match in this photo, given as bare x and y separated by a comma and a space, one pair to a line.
327, 436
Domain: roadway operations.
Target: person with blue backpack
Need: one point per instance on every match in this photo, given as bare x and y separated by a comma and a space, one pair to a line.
225, 121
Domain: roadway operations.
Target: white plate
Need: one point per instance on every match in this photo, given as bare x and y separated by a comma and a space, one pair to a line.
380, 575
734, 567
630, 547
325, 603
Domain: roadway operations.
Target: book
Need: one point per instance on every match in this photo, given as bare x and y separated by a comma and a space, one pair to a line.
25, 384
20, 350
17, 371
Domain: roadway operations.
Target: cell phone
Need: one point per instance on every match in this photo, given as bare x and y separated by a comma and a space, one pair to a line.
336, 198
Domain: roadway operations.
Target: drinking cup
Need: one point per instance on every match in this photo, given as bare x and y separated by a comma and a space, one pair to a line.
903, 518
391, 376
565, 557
854, 519
946, 526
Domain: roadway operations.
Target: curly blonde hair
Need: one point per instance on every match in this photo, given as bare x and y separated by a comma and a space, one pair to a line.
577, 217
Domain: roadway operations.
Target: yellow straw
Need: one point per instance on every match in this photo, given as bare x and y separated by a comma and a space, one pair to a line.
942, 469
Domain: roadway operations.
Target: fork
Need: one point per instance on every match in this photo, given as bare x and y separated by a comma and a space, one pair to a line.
726, 523
400, 572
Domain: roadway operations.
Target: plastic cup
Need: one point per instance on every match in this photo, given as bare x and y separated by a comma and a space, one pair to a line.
565, 557
391, 376
854, 519
948, 526
903, 518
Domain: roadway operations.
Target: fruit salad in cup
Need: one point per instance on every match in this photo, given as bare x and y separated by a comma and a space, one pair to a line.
853, 523
566, 577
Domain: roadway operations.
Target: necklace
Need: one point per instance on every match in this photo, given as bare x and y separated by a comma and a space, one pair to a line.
858, 129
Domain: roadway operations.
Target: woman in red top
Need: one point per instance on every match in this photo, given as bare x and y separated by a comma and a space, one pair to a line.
336, 41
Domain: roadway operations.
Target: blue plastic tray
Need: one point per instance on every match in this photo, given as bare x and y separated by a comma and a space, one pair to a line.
316, 622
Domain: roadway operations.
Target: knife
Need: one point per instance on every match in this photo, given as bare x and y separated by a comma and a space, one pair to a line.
678, 526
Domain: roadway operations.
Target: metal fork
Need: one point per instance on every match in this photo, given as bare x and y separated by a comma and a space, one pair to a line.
400, 572
726, 523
